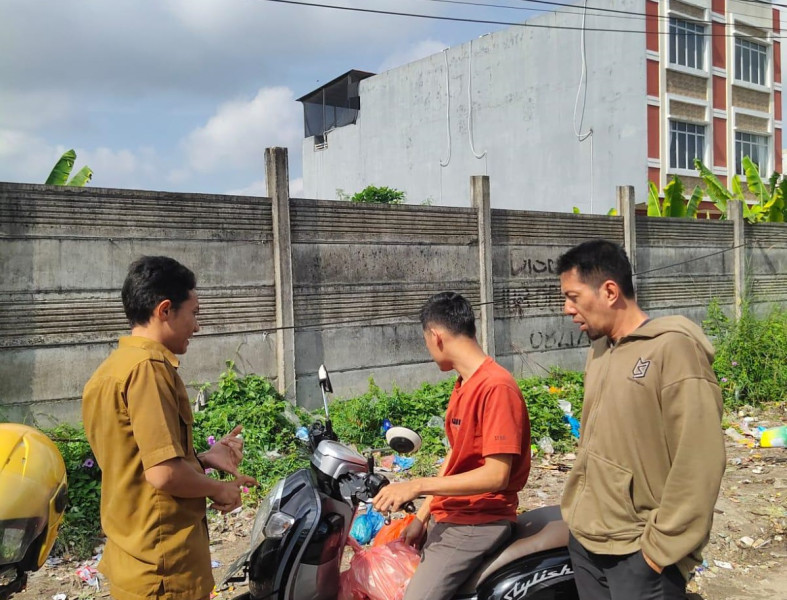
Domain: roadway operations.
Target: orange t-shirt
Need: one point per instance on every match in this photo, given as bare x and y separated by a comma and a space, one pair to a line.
486, 415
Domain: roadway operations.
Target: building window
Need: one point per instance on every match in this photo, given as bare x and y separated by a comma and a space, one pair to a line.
687, 142
750, 61
753, 146
686, 44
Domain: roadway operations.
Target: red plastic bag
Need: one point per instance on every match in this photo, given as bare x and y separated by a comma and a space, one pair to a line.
379, 572
392, 531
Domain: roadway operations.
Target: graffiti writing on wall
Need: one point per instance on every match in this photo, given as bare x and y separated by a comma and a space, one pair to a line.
532, 266
553, 340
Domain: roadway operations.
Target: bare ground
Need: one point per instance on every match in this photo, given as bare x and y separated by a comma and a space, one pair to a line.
746, 557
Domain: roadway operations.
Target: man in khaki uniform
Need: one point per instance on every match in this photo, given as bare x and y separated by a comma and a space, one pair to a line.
138, 421
639, 500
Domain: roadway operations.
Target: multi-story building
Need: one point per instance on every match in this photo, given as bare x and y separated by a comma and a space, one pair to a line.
562, 109
715, 97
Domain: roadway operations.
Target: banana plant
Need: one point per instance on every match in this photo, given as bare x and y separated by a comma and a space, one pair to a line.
771, 198
674, 204
62, 169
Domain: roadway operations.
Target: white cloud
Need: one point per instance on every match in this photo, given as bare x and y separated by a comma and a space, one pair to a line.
255, 188
28, 158
412, 53
25, 158
296, 188
260, 188
237, 135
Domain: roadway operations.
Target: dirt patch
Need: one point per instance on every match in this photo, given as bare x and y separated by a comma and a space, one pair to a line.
746, 557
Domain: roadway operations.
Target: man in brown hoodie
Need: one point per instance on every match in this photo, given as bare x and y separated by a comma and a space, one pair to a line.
639, 500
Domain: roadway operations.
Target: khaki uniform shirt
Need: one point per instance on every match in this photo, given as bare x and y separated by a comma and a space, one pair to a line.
137, 414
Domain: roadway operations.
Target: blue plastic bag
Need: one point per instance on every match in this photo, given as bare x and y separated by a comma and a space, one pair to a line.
573, 423
404, 462
367, 525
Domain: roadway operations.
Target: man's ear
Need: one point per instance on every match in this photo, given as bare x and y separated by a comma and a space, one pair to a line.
610, 291
437, 336
163, 310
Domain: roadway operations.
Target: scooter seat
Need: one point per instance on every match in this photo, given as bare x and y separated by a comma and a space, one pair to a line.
537, 530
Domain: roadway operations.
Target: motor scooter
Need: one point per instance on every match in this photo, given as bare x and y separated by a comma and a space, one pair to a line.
301, 528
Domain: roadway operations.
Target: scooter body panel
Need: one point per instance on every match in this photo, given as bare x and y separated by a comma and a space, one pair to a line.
544, 576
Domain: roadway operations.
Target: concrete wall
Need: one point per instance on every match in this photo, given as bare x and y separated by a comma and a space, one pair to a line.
524, 85
360, 275
64, 253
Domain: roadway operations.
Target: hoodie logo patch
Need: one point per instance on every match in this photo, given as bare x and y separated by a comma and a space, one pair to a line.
640, 369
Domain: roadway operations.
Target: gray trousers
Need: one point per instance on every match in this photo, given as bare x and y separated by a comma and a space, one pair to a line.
451, 553
626, 577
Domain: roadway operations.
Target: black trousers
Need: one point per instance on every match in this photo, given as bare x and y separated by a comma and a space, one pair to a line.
626, 577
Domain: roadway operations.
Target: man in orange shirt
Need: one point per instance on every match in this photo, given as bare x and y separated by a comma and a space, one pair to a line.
138, 421
474, 497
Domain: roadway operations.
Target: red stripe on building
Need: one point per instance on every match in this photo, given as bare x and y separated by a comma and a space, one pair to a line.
776, 24
777, 62
653, 77
652, 26
718, 45
777, 151
654, 130
719, 92
719, 142
718, 6
654, 175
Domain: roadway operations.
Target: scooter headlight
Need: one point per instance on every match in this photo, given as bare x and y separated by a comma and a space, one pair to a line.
269, 522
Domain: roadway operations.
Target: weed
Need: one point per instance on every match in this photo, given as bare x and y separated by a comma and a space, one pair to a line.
751, 355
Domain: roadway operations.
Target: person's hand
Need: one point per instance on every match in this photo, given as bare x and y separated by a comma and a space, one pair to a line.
413, 534
392, 496
227, 496
651, 564
226, 454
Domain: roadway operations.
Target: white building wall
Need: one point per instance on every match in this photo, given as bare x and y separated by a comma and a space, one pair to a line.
524, 84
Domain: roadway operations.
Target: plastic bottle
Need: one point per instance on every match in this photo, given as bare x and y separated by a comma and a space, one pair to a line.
774, 438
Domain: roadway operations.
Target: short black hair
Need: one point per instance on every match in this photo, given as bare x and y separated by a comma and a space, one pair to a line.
597, 261
450, 310
150, 281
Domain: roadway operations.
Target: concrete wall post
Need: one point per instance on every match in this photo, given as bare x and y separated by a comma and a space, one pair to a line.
277, 175
626, 205
735, 214
480, 200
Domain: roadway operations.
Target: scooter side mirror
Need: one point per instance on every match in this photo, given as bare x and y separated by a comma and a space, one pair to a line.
325, 380
403, 440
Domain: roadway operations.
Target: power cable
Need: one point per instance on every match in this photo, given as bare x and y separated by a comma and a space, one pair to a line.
490, 21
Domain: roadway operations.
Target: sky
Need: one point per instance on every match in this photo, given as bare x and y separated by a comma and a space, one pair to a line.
185, 95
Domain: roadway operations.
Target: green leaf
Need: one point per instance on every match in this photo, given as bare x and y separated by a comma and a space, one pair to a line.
61, 170
717, 192
754, 181
575, 210
773, 182
612, 212
674, 204
80, 179
694, 202
654, 207
737, 188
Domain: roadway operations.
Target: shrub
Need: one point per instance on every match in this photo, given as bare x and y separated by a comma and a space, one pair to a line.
751, 355
269, 422
81, 527
546, 416
378, 195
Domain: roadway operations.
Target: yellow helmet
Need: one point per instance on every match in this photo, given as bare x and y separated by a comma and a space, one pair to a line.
33, 497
